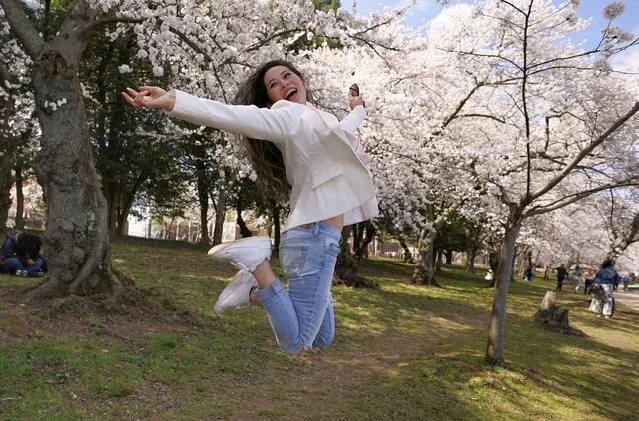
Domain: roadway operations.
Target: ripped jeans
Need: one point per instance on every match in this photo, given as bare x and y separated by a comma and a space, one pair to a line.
302, 316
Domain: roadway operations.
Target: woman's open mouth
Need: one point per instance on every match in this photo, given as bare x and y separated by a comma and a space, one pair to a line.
292, 94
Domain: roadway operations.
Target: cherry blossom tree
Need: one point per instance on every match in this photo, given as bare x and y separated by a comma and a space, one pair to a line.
552, 124
207, 47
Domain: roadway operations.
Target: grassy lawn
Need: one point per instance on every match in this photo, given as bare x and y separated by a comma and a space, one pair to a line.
400, 353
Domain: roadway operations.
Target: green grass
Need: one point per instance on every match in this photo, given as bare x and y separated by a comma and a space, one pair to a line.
402, 352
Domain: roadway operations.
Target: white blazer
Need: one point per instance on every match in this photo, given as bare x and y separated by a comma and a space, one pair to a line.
323, 158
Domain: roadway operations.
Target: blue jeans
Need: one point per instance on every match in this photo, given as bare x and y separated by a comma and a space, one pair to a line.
13, 263
302, 316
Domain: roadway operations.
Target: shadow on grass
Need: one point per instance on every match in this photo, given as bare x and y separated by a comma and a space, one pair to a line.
547, 375
404, 352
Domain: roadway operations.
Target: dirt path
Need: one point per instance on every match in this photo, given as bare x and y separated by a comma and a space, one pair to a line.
630, 298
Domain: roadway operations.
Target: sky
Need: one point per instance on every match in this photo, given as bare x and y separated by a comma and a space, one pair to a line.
426, 10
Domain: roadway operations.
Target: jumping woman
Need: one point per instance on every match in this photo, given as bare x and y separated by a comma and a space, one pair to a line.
311, 158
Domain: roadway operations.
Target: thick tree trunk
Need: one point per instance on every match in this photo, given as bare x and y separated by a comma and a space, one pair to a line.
424, 273
449, 257
245, 232
439, 261
495, 347
470, 262
7, 146
220, 214
122, 220
76, 242
368, 231
203, 197
112, 196
371, 231
408, 257
6, 181
550, 314
126, 203
19, 223
346, 270
358, 236
276, 211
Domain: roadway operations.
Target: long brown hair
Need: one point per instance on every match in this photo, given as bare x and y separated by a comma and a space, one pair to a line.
266, 158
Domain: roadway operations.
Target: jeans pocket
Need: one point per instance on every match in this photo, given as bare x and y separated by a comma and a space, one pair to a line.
292, 259
333, 249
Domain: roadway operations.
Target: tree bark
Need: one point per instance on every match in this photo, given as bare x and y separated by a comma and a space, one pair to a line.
495, 347
439, 260
408, 257
470, 262
203, 197
367, 233
19, 222
245, 232
7, 146
220, 214
371, 231
122, 221
551, 315
276, 211
127, 196
358, 236
76, 241
449, 257
424, 273
346, 270
6, 181
112, 196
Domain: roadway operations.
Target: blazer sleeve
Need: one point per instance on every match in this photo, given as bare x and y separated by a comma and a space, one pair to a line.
351, 122
274, 125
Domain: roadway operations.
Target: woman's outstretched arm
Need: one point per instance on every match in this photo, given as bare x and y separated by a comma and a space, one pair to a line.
250, 121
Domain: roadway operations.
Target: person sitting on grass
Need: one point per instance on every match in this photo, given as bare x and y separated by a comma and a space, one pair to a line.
528, 275
20, 254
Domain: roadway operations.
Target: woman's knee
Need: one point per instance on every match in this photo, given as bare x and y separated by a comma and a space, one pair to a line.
11, 265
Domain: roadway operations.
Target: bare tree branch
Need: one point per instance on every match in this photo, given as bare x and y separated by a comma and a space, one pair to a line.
492, 117
524, 102
584, 152
514, 7
471, 53
575, 197
387, 21
585, 53
268, 39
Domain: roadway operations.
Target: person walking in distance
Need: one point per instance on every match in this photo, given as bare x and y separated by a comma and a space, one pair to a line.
562, 273
603, 302
576, 278
307, 155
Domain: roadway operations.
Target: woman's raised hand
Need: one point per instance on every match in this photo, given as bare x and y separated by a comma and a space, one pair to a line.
150, 97
354, 98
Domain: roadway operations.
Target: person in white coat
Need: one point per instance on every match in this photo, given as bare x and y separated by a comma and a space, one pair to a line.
313, 159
